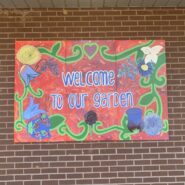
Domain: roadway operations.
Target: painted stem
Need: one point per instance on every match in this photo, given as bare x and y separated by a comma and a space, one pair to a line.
77, 51
64, 129
122, 55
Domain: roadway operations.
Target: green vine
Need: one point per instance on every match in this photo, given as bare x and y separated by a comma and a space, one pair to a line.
20, 124
63, 129
125, 134
153, 82
124, 54
77, 53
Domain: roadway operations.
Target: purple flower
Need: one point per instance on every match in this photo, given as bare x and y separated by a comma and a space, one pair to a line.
145, 69
152, 124
28, 74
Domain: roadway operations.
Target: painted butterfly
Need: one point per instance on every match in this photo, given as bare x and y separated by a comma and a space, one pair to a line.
128, 70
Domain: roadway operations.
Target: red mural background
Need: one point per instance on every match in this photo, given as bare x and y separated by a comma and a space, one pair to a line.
141, 111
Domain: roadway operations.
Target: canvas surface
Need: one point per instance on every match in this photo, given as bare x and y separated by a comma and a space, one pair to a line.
90, 90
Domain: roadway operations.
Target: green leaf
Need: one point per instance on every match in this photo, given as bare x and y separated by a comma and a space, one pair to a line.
56, 48
145, 82
124, 122
146, 99
161, 61
43, 50
161, 81
139, 55
56, 120
166, 126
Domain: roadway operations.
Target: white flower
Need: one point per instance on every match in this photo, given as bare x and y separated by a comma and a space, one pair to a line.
151, 53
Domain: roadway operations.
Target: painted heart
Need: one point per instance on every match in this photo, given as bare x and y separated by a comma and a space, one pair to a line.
90, 50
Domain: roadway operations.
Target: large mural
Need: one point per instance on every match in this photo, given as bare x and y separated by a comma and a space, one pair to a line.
90, 90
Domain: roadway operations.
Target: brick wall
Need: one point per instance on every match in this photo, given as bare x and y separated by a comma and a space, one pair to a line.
139, 163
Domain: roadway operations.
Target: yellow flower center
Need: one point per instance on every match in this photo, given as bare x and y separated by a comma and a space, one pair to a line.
144, 67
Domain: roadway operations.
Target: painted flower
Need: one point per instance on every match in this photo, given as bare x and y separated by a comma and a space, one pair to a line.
134, 118
28, 54
28, 74
90, 117
151, 53
39, 124
152, 124
145, 69
49, 64
39, 128
32, 110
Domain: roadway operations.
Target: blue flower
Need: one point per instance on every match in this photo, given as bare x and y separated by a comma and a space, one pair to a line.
39, 124
28, 74
152, 124
32, 110
145, 69
134, 118
39, 128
